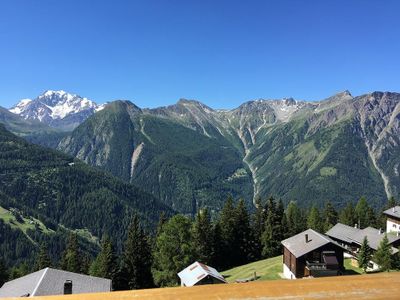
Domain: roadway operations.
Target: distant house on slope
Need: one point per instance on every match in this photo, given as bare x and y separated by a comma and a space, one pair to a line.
54, 282
352, 237
311, 254
198, 274
393, 219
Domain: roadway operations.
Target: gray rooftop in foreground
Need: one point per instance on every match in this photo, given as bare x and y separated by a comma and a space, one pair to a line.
393, 212
351, 235
51, 282
297, 244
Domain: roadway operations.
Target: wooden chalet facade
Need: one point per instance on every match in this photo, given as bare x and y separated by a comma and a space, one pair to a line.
311, 254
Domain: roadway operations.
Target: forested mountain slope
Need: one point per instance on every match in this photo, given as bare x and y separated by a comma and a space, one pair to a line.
44, 192
184, 168
190, 155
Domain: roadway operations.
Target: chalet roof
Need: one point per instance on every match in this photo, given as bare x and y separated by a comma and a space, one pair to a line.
344, 233
351, 235
375, 237
51, 282
298, 246
196, 272
393, 212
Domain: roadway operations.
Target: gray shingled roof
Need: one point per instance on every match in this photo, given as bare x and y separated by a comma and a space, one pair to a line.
22, 286
375, 237
51, 282
344, 233
297, 244
393, 212
350, 235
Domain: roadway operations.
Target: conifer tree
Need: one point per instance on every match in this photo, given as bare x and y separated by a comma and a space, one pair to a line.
227, 226
19, 271
258, 226
295, 220
3, 273
71, 258
314, 219
330, 217
86, 261
105, 264
203, 236
361, 212
347, 215
218, 260
137, 257
243, 247
364, 255
281, 216
383, 255
372, 219
173, 252
43, 260
161, 221
285, 227
270, 206
271, 237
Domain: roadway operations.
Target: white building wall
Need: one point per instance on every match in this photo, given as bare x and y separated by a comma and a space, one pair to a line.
392, 226
287, 273
373, 266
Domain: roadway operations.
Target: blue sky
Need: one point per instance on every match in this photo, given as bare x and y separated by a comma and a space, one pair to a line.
219, 52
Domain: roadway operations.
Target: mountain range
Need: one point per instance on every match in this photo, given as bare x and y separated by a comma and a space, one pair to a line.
189, 155
57, 109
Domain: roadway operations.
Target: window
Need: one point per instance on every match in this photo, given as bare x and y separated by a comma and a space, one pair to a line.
394, 225
68, 287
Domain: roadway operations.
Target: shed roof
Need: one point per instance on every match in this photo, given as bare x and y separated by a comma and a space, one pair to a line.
196, 272
298, 246
393, 212
51, 282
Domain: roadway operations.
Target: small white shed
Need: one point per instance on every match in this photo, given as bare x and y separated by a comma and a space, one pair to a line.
199, 274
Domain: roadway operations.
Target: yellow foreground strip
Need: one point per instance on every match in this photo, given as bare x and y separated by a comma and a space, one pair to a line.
374, 286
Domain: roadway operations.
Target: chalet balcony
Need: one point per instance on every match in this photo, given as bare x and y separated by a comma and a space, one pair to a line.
320, 269
316, 265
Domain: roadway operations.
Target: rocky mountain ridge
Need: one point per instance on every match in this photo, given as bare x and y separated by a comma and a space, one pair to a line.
188, 154
57, 109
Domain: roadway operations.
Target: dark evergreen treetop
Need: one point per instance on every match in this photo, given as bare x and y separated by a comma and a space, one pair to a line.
364, 255
174, 251
203, 236
383, 255
136, 258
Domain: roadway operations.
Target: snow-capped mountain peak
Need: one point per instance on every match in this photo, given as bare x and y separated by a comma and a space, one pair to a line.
17, 109
58, 109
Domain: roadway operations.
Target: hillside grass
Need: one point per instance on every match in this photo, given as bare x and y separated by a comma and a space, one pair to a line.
271, 268
266, 269
350, 269
34, 224
27, 223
